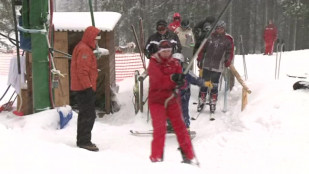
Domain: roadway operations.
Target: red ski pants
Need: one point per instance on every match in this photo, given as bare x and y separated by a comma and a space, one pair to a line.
269, 47
159, 115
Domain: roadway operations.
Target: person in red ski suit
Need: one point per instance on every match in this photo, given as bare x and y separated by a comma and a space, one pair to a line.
84, 75
176, 22
270, 36
165, 73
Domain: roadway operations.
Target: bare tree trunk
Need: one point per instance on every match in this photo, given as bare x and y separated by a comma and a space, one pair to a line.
294, 34
266, 13
230, 18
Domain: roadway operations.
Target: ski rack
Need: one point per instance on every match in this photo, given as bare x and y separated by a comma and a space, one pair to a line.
279, 48
138, 91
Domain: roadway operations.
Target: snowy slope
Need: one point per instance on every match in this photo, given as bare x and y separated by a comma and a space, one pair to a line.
269, 137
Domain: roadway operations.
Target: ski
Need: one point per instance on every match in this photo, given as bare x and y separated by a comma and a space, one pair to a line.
150, 132
297, 76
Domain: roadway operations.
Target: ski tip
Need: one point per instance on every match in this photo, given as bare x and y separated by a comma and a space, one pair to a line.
193, 118
212, 119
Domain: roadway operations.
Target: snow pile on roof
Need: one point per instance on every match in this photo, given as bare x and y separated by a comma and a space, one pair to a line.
79, 21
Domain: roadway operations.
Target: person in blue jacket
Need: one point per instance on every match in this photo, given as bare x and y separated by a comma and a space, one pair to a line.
185, 92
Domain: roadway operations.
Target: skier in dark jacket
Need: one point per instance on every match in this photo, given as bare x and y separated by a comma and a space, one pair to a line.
217, 52
201, 29
163, 33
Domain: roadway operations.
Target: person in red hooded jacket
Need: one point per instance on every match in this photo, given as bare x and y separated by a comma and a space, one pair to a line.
165, 73
270, 36
176, 22
84, 75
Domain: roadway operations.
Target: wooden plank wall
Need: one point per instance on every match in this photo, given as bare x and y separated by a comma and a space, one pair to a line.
62, 93
106, 64
27, 101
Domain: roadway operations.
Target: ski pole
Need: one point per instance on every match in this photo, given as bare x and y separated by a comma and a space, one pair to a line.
243, 57
138, 46
7, 89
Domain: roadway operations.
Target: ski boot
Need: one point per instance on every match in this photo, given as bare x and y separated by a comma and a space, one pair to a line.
90, 146
201, 101
186, 160
213, 102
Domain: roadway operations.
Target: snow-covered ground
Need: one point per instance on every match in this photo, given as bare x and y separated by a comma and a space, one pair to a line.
271, 136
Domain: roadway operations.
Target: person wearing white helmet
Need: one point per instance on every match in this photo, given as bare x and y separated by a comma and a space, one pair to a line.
185, 91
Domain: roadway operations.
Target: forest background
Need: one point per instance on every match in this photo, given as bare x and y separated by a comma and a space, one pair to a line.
244, 17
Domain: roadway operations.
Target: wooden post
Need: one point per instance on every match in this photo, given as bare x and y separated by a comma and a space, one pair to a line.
245, 88
62, 92
107, 74
27, 103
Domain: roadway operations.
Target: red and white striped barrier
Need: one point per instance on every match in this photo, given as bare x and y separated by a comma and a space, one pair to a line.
126, 64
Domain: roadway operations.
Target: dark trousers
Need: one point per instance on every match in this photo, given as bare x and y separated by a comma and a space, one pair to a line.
86, 115
214, 78
185, 98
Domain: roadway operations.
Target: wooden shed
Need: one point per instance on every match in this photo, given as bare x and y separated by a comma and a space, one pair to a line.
69, 28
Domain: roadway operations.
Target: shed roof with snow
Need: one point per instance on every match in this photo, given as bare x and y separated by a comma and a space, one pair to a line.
79, 21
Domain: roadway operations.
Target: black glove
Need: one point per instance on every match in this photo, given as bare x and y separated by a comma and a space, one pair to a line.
179, 79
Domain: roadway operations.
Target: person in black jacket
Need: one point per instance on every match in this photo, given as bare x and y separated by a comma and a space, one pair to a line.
201, 29
163, 33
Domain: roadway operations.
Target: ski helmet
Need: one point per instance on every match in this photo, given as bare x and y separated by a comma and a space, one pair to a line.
221, 24
185, 23
179, 57
176, 15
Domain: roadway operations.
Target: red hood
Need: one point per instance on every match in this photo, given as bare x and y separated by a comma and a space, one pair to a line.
89, 36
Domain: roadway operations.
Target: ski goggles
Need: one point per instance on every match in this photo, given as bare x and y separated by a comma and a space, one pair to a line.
161, 28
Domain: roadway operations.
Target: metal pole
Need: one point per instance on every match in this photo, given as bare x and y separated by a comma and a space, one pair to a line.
40, 63
91, 12
243, 57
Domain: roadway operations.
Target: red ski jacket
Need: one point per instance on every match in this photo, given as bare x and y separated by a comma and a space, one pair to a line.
172, 26
160, 84
270, 33
84, 70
